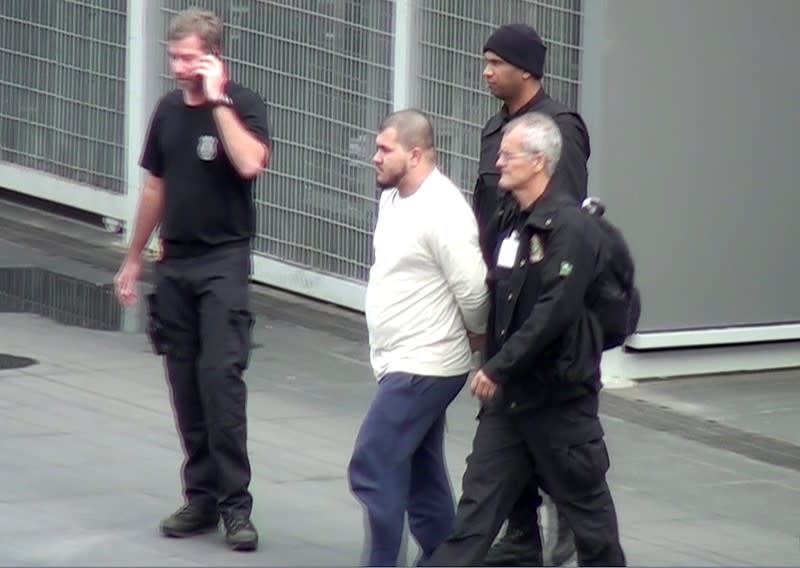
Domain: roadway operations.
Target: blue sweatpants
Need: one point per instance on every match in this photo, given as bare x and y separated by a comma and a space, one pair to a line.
398, 465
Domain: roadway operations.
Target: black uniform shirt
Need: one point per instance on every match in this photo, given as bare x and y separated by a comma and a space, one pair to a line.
207, 202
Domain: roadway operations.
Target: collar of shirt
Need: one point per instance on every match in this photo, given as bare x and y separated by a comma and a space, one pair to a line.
527, 107
503, 117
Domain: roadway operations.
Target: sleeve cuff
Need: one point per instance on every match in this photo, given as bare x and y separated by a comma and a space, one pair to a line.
494, 371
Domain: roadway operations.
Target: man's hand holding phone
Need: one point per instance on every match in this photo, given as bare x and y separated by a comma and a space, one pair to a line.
212, 72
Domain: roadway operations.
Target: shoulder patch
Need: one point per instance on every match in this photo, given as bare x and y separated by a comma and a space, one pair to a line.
537, 250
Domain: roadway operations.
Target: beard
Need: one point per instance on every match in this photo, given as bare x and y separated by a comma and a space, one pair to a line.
391, 181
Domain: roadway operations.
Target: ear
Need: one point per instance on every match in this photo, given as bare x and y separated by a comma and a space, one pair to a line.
416, 156
539, 163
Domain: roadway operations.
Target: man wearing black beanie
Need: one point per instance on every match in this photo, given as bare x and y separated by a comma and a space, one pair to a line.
514, 66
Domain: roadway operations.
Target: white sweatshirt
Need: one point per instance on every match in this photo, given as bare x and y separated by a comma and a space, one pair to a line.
427, 285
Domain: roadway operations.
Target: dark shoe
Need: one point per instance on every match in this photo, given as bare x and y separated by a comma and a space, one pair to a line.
190, 520
240, 534
517, 547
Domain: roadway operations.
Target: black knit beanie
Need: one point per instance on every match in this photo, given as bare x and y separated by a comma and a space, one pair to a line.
521, 46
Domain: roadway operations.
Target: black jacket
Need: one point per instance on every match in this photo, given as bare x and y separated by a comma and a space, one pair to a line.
543, 345
571, 173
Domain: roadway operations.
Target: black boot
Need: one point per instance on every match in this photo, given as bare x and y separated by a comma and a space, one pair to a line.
519, 546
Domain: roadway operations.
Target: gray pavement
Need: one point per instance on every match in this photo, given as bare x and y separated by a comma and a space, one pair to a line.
90, 458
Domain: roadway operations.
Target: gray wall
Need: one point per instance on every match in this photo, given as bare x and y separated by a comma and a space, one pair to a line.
694, 111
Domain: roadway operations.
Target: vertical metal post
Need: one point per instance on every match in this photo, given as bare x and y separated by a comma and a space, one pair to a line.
404, 73
141, 76
135, 115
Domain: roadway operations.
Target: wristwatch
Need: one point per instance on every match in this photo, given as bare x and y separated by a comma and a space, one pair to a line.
223, 100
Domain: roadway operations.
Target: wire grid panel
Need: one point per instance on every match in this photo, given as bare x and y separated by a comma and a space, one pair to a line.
63, 88
451, 35
65, 299
324, 69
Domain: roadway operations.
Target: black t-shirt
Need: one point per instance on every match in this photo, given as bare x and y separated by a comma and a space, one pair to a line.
206, 201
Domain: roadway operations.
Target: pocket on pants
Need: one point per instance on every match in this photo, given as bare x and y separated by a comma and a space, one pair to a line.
582, 466
155, 326
241, 321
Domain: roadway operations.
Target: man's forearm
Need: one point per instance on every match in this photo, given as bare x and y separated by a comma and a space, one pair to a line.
147, 217
247, 154
474, 308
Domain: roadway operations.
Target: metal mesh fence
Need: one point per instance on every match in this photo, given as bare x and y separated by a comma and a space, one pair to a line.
451, 35
63, 88
324, 69
68, 300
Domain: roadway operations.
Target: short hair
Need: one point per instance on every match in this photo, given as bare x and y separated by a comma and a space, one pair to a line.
202, 23
540, 135
414, 129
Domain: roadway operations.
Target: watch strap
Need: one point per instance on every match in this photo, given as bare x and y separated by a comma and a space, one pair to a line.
224, 100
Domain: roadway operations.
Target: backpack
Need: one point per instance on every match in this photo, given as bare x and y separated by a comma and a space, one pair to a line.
613, 296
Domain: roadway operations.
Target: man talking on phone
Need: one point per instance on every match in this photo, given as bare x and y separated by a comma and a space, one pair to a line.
207, 142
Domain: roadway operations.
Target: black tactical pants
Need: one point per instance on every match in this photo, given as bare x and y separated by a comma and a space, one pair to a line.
525, 510
560, 446
201, 323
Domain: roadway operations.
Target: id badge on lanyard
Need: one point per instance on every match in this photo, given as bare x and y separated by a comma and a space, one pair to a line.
509, 249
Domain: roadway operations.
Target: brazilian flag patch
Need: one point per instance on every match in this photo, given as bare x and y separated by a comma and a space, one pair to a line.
566, 269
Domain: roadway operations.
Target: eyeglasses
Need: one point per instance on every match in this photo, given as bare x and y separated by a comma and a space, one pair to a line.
506, 156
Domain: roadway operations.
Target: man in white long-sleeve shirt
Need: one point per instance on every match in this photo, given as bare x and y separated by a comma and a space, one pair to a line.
426, 293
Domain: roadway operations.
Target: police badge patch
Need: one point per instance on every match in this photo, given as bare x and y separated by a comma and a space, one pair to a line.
207, 148
537, 250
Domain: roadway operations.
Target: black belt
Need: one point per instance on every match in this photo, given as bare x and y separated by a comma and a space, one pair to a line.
173, 249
